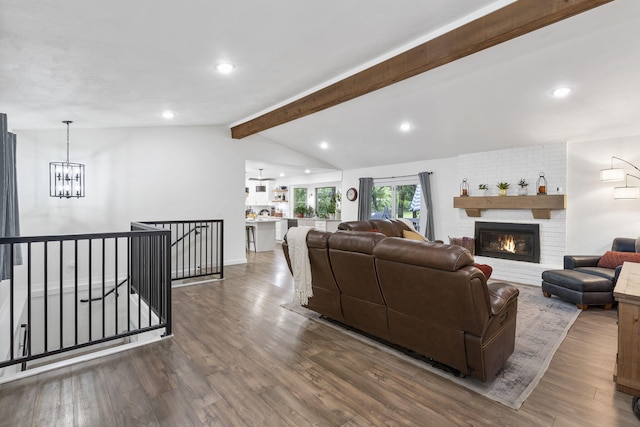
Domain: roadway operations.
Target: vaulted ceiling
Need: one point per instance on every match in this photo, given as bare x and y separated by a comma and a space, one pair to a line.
122, 63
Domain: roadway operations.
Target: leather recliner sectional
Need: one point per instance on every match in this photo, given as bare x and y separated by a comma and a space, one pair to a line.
426, 297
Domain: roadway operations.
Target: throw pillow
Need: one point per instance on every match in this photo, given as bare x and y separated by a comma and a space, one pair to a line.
412, 235
485, 268
612, 259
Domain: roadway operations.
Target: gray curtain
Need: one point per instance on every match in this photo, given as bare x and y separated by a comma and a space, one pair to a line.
425, 185
364, 201
9, 219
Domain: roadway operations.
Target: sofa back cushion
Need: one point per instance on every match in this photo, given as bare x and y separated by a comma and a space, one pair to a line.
355, 226
388, 227
434, 283
623, 244
351, 256
318, 247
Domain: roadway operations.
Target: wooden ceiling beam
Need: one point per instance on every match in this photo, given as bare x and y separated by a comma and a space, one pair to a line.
513, 20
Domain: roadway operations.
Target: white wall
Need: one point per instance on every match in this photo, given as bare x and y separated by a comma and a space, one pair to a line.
444, 186
134, 174
594, 217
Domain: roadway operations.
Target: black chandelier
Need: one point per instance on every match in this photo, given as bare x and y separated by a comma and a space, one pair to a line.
66, 179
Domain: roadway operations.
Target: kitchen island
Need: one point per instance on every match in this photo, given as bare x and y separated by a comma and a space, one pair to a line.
265, 232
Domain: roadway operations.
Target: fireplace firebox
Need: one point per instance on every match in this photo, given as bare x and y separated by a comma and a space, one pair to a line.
518, 242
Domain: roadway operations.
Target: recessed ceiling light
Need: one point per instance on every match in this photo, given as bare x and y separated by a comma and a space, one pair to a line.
307, 171
405, 126
168, 114
225, 68
561, 92
281, 173
324, 145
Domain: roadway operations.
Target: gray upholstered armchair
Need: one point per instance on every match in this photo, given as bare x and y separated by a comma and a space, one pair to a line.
589, 263
589, 279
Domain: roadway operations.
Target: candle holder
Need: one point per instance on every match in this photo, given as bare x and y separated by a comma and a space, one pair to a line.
541, 184
464, 188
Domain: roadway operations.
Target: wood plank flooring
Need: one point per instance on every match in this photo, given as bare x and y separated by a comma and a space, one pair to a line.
238, 359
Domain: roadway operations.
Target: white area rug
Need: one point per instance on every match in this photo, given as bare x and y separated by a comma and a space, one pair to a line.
542, 325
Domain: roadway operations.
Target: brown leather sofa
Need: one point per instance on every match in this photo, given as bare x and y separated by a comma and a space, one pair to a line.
426, 297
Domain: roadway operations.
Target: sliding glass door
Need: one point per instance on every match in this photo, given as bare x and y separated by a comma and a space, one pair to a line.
396, 200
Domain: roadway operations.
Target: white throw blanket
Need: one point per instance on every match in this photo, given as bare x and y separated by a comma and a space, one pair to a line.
299, 256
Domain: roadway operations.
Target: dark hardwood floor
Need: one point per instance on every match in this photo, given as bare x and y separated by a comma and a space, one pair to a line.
238, 359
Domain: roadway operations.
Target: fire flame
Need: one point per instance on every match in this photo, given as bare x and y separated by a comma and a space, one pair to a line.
508, 244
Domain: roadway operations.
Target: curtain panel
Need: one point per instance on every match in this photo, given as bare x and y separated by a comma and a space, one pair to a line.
364, 202
9, 217
425, 185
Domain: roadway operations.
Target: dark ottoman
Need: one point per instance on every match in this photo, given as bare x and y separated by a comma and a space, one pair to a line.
582, 289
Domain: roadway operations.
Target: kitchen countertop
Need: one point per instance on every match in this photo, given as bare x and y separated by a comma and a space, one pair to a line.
267, 219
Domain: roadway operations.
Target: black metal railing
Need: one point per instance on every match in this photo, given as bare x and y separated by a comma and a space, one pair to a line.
45, 293
196, 247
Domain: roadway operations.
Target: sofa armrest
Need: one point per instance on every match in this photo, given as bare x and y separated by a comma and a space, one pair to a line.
501, 295
616, 274
576, 261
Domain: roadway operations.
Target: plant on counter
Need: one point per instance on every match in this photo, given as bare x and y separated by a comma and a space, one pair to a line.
331, 207
523, 182
483, 187
300, 210
309, 211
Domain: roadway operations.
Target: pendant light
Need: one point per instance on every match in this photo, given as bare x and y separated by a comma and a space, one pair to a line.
66, 179
261, 188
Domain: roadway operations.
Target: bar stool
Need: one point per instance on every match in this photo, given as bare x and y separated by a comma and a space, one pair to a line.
251, 237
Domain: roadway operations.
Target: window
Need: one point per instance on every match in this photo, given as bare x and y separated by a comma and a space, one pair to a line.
399, 199
325, 201
299, 198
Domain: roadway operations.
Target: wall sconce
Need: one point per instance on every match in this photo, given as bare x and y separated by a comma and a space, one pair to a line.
627, 192
615, 174
66, 179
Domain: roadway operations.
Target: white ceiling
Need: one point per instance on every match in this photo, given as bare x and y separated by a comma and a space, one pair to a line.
121, 63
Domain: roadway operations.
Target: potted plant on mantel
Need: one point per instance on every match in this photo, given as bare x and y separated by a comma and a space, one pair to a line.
483, 189
300, 211
502, 188
522, 191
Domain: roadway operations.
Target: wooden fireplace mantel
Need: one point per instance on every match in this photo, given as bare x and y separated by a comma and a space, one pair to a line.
541, 206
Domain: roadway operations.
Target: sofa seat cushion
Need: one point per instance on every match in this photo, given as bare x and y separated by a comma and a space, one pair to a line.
577, 281
607, 273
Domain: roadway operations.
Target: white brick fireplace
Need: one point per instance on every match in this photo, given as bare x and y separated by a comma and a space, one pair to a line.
510, 165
